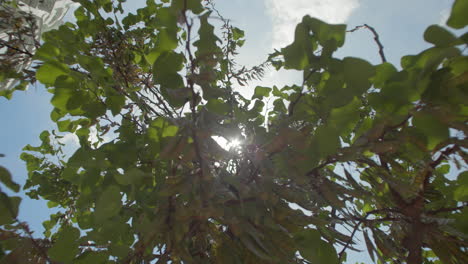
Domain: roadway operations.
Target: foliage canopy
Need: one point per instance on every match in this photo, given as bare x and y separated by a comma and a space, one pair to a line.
357, 146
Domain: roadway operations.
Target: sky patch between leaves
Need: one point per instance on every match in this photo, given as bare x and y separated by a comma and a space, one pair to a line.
286, 14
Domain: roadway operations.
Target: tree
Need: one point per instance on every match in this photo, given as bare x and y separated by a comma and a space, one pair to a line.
357, 146
19, 34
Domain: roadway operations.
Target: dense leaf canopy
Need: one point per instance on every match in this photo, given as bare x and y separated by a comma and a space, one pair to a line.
356, 148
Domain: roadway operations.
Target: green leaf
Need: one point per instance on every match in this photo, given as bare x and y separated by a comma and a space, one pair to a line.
165, 70
56, 114
178, 97
5, 178
369, 245
261, 92
207, 49
9, 207
92, 257
217, 106
326, 33
108, 205
439, 36
335, 86
460, 220
115, 103
295, 55
169, 131
193, 5
132, 176
94, 109
127, 21
65, 89
65, 247
51, 204
47, 51
393, 97
254, 247
458, 18
326, 141
256, 109
152, 56
237, 33
49, 224
85, 219
64, 125
429, 59
279, 106
344, 119
461, 192
459, 65
45, 136
357, 73
383, 72
95, 66
75, 101
226, 255
314, 249
160, 127
167, 40
432, 127
50, 71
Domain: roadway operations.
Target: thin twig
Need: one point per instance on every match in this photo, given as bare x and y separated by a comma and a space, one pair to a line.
192, 89
445, 210
428, 171
4, 43
293, 104
340, 256
376, 38
28, 232
362, 220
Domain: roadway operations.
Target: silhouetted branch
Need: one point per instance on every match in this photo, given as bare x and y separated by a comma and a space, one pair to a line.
301, 93
4, 43
376, 38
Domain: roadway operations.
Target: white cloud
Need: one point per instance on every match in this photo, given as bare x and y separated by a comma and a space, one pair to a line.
70, 139
286, 14
72, 143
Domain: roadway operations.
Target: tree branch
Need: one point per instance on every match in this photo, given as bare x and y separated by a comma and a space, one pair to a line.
445, 210
376, 39
293, 104
4, 43
192, 89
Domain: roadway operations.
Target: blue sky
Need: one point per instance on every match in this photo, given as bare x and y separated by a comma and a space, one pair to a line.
268, 24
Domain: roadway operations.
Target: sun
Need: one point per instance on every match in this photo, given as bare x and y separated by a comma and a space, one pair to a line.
234, 143
228, 144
